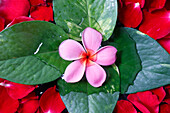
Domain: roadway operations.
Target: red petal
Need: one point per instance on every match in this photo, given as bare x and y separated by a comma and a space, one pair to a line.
51, 101
43, 13
19, 19
39, 110
141, 2
37, 2
1, 80
160, 92
7, 104
167, 4
10, 9
152, 5
130, 15
124, 106
30, 106
156, 24
167, 97
31, 96
18, 91
146, 102
2, 23
165, 43
167, 36
165, 108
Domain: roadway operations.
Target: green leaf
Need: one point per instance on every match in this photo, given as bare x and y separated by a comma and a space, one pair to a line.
75, 15
155, 62
128, 60
84, 98
29, 52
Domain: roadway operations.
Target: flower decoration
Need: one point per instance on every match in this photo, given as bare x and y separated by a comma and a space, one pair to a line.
87, 60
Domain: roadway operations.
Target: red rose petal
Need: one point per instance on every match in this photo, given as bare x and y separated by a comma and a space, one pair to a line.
167, 4
39, 110
1, 80
156, 24
124, 106
31, 96
130, 15
44, 13
19, 19
141, 2
160, 92
30, 106
165, 43
10, 9
146, 102
37, 2
152, 5
2, 23
18, 91
165, 108
51, 101
7, 104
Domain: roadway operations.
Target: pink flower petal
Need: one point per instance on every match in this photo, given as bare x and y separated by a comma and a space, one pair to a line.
164, 108
7, 104
2, 23
141, 2
124, 106
95, 74
19, 19
70, 50
145, 101
51, 102
74, 71
91, 39
18, 91
130, 15
165, 43
156, 24
153, 5
106, 55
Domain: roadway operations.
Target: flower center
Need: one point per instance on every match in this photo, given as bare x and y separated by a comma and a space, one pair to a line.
88, 57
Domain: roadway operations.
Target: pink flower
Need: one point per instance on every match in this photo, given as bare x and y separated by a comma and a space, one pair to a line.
87, 60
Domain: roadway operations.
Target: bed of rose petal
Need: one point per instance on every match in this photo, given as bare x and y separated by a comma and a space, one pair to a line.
149, 16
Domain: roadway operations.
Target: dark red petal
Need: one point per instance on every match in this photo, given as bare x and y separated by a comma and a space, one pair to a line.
39, 110
51, 101
30, 106
156, 24
160, 92
165, 108
44, 13
167, 36
19, 19
37, 2
165, 43
30, 96
130, 15
167, 4
18, 91
141, 2
124, 106
2, 23
7, 104
167, 97
10, 9
1, 80
146, 102
152, 5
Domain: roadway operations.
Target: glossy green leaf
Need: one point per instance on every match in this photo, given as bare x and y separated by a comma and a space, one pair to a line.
84, 98
29, 52
155, 63
128, 60
75, 15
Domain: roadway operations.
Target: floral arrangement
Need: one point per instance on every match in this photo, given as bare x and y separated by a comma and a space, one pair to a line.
85, 56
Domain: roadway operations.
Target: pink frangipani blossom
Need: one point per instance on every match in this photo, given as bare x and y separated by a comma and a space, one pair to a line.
87, 60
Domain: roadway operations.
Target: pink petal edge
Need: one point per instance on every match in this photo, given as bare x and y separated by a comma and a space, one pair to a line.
91, 39
70, 50
95, 74
106, 55
74, 71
